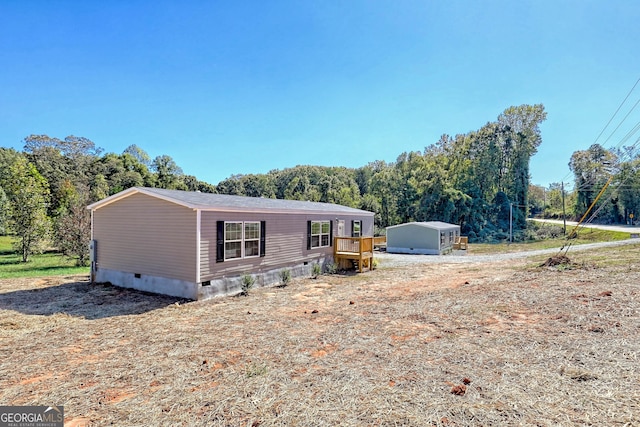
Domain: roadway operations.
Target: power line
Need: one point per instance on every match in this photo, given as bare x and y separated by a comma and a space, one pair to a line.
622, 121
611, 119
614, 114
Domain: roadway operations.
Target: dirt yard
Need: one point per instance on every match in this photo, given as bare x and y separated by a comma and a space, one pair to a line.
504, 343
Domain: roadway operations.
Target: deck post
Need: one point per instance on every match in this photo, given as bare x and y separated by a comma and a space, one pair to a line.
355, 248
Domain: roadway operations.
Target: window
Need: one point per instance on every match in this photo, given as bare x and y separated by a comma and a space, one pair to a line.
320, 234
251, 239
356, 227
241, 240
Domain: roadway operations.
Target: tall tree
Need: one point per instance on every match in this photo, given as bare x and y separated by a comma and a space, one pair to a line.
28, 196
231, 186
168, 172
193, 184
629, 179
139, 154
592, 168
61, 161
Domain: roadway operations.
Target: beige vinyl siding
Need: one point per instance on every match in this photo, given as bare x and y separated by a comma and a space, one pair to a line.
286, 242
146, 235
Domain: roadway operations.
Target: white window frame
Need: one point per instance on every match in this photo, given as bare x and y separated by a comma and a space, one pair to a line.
359, 232
320, 235
243, 240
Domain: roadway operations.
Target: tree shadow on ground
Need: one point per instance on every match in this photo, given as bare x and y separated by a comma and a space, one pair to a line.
85, 300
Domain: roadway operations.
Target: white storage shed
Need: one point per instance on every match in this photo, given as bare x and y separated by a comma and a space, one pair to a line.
427, 238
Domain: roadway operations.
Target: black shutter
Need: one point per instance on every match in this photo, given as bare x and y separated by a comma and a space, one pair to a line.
263, 239
220, 241
308, 235
353, 228
330, 233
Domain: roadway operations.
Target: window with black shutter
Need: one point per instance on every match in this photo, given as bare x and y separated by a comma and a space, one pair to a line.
240, 239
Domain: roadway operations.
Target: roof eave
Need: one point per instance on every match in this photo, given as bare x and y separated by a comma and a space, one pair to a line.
139, 190
282, 211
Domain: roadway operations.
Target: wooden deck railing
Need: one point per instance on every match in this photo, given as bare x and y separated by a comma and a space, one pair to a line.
380, 241
354, 248
461, 243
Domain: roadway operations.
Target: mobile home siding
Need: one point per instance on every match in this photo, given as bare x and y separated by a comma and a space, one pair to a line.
422, 237
413, 236
148, 236
286, 242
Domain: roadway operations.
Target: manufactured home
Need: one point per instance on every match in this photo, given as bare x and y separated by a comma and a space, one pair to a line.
427, 238
197, 245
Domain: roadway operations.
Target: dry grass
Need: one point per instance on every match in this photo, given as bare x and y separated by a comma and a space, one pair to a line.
442, 345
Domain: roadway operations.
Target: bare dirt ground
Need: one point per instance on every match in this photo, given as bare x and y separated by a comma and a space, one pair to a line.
502, 343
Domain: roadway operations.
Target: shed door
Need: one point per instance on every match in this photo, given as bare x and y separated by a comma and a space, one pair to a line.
341, 228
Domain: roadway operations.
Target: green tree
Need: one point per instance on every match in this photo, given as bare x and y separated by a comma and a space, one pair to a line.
73, 227
258, 186
231, 186
8, 157
99, 188
28, 196
384, 187
168, 173
592, 168
628, 184
139, 154
62, 161
537, 199
4, 208
120, 171
193, 184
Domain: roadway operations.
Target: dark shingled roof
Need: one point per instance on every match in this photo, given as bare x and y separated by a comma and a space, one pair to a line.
205, 201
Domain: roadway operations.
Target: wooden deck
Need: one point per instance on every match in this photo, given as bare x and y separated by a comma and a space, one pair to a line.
379, 241
350, 249
461, 243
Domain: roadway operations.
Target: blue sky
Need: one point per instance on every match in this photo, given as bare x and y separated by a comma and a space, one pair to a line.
239, 87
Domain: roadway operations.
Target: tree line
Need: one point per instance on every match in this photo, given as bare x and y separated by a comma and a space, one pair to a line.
471, 179
479, 180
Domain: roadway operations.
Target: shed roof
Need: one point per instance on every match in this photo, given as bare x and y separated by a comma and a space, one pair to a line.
438, 225
223, 202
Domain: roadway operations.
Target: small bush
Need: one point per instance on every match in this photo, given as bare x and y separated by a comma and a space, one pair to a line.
256, 370
285, 277
529, 235
247, 283
549, 232
331, 268
316, 270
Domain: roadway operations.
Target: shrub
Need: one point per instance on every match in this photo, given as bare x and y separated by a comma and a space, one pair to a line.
316, 270
247, 283
549, 232
331, 268
285, 277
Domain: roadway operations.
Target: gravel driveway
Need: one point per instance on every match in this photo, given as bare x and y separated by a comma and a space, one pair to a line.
399, 260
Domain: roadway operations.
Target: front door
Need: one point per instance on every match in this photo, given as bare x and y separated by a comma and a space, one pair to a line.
340, 228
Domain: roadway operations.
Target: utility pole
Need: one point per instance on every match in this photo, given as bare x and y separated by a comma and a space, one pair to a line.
564, 214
